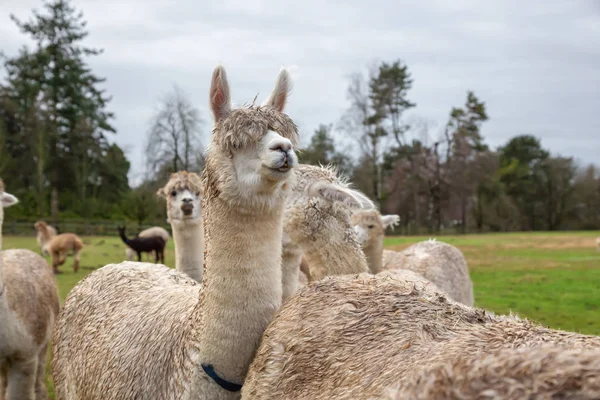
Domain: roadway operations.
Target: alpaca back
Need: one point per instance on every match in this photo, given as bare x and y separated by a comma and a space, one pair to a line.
32, 298
441, 263
66, 242
155, 231
128, 299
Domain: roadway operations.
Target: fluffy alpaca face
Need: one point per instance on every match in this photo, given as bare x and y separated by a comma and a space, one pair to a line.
183, 193
370, 226
251, 156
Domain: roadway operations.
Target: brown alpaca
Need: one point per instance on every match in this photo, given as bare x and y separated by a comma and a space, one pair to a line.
59, 248
183, 193
548, 372
28, 308
145, 331
45, 233
354, 337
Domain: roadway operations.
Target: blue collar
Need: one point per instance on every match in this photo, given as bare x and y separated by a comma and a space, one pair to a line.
229, 386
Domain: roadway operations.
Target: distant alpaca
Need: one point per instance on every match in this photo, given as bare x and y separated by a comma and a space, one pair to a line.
60, 246
28, 308
183, 193
354, 337
370, 227
45, 233
141, 245
130, 254
598, 244
142, 331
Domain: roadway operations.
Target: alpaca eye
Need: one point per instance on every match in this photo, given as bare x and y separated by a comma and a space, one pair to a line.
174, 193
371, 226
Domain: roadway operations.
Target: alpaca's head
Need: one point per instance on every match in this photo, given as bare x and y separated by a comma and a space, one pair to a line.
40, 226
250, 158
370, 226
121, 230
324, 215
7, 200
183, 193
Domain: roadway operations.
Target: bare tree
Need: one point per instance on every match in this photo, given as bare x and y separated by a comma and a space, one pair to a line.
175, 135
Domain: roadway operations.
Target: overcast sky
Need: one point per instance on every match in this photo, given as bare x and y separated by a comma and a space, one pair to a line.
535, 63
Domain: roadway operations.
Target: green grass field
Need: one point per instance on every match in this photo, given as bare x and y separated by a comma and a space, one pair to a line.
553, 278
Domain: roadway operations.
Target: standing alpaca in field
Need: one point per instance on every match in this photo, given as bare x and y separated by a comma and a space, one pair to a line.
326, 183
142, 331
130, 254
183, 193
28, 308
152, 244
548, 372
45, 233
354, 337
370, 227
60, 246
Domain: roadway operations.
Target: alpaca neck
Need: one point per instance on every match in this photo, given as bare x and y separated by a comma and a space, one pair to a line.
331, 257
290, 269
188, 236
124, 238
241, 286
374, 254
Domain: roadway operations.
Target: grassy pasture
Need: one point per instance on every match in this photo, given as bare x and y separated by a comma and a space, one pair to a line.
553, 278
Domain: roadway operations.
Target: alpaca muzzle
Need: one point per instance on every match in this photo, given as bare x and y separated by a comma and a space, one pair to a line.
187, 208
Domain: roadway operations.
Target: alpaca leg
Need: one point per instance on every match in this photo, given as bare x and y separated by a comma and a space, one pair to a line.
75, 260
139, 256
155, 256
21, 380
55, 263
41, 391
62, 257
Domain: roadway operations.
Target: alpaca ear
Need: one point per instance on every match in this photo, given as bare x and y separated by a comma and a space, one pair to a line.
161, 192
389, 221
279, 95
8, 199
332, 192
219, 95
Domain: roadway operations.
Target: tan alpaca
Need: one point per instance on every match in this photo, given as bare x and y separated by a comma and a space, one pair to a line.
548, 372
598, 244
59, 248
142, 331
332, 187
130, 254
440, 263
183, 193
354, 337
370, 227
28, 308
45, 233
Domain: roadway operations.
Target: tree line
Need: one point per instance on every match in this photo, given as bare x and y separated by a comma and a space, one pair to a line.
452, 181
57, 150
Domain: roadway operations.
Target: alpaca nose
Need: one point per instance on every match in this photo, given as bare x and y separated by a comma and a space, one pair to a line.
187, 200
283, 145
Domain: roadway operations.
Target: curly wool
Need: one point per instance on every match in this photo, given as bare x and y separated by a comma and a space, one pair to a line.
370, 333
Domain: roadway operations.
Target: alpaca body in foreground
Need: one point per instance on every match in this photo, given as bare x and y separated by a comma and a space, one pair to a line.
183, 193
139, 331
371, 333
151, 244
45, 233
59, 248
327, 184
547, 372
28, 308
440, 263
130, 254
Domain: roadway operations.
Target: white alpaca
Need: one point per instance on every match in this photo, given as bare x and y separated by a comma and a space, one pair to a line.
130, 254
28, 307
370, 227
183, 193
138, 330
